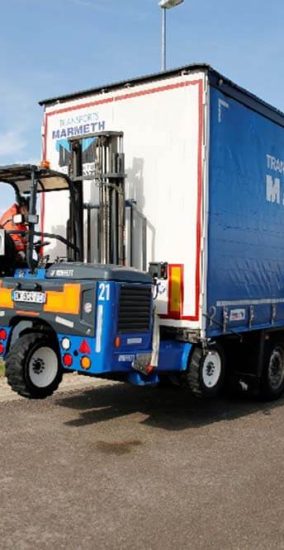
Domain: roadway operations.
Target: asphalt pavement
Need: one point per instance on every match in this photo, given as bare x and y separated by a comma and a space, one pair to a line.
107, 466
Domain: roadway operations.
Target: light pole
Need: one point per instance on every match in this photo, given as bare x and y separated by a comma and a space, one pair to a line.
166, 5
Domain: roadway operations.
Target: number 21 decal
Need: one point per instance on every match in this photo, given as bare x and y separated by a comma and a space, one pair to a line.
104, 292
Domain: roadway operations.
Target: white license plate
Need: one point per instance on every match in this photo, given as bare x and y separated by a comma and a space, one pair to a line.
29, 296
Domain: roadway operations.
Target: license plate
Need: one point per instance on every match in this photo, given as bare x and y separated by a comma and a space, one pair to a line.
29, 296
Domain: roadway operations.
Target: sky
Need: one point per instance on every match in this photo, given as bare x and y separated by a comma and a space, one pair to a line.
52, 47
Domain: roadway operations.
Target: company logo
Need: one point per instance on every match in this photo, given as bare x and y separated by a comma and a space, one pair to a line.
64, 272
76, 126
61, 273
273, 182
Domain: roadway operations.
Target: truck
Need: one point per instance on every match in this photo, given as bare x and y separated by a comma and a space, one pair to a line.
165, 194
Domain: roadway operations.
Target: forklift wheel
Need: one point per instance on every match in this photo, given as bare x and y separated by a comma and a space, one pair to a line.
33, 367
206, 372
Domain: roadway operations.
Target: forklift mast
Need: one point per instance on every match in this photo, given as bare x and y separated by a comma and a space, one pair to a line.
109, 176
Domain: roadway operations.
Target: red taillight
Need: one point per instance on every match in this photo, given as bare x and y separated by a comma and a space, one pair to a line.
1, 349
3, 334
67, 360
84, 347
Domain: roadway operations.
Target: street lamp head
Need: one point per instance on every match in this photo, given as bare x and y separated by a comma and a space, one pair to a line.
168, 4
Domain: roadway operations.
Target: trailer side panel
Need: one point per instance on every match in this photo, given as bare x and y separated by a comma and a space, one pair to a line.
245, 285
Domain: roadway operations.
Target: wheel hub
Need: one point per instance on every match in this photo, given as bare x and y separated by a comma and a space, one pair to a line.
43, 367
212, 369
38, 366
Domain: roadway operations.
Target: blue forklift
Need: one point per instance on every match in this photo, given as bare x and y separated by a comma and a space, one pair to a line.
71, 314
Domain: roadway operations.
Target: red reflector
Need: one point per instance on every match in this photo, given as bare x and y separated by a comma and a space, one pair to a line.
67, 360
3, 334
149, 369
1, 349
84, 347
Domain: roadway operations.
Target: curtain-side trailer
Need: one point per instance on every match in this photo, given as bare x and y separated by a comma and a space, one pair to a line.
204, 212
204, 164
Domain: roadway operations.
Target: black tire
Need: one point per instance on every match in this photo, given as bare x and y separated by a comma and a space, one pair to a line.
29, 374
205, 374
272, 377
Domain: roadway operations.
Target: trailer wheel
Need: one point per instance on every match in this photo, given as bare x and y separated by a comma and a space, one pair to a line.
272, 378
206, 372
33, 366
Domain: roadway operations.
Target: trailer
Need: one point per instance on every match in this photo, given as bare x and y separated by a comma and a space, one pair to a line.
202, 209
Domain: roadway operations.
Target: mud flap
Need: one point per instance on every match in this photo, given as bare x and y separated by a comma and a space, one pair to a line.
147, 363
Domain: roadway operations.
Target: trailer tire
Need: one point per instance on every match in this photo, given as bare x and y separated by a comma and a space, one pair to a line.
33, 367
272, 377
205, 374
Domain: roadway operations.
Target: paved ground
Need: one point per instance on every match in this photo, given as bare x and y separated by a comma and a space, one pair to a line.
115, 467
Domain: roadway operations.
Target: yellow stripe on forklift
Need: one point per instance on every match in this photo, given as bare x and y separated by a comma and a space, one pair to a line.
6, 298
64, 301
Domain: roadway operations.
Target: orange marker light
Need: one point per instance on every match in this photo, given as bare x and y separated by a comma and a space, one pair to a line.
85, 362
45, 164
117, 342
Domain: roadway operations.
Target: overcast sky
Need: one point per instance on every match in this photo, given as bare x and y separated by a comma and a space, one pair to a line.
52, 47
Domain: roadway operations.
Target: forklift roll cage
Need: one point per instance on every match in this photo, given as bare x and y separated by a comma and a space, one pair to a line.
29, 180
